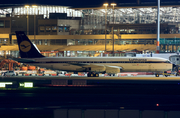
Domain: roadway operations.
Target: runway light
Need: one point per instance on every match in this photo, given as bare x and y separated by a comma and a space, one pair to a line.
157, 105
21, 84
28, 84
3, 84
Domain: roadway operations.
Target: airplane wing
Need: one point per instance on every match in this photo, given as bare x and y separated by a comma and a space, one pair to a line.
99, 67
80, 64
94, 65
86, 65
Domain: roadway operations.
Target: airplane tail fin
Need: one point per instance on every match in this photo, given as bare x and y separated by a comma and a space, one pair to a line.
26, 48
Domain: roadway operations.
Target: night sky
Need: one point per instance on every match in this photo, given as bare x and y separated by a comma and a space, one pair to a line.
76, 3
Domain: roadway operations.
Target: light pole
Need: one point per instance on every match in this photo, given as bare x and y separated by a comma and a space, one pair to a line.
158, 26
105, 4
27, 6
113, 4
34, 7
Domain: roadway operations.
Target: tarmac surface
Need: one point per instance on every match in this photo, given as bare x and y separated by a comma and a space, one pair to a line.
144, 92
140, 79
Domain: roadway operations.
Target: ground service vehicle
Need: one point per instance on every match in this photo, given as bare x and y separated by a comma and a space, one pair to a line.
9, 73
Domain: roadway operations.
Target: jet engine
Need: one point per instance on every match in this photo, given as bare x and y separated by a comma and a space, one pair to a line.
97, 69
112, 69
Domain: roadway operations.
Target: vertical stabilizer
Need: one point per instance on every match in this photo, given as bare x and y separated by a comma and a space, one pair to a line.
26, 48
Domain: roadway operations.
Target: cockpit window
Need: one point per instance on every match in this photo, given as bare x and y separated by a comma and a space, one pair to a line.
167, 62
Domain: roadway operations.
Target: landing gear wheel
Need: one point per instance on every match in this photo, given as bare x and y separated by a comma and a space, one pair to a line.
157, 75
96, 75
92, 75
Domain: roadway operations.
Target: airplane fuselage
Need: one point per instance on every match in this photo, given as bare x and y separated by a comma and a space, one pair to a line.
125, 64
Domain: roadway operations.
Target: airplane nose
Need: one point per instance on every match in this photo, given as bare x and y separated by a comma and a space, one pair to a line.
175, 67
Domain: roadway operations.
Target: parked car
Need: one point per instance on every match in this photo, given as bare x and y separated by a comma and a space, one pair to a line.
9, 73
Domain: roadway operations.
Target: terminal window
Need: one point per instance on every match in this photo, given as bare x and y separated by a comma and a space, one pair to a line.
60, 29
66, 29
54, 28
1, 23
42, 28
7, 24
48, 28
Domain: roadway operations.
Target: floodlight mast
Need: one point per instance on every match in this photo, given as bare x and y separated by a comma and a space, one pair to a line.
113, 4
106, 5
27, 7
34, 7
158, 26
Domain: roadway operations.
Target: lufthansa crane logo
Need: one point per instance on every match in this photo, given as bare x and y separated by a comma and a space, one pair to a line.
25, 46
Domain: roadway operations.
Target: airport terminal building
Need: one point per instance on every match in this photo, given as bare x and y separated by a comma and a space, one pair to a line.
66, 31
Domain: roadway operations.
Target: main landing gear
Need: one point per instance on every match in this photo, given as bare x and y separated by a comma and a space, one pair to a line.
91, 74
157, 74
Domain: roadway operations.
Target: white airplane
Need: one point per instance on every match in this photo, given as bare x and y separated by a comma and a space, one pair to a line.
93, 65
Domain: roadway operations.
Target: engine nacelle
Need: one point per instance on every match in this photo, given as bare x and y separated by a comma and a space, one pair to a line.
112, 69
107, 69
98, 69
